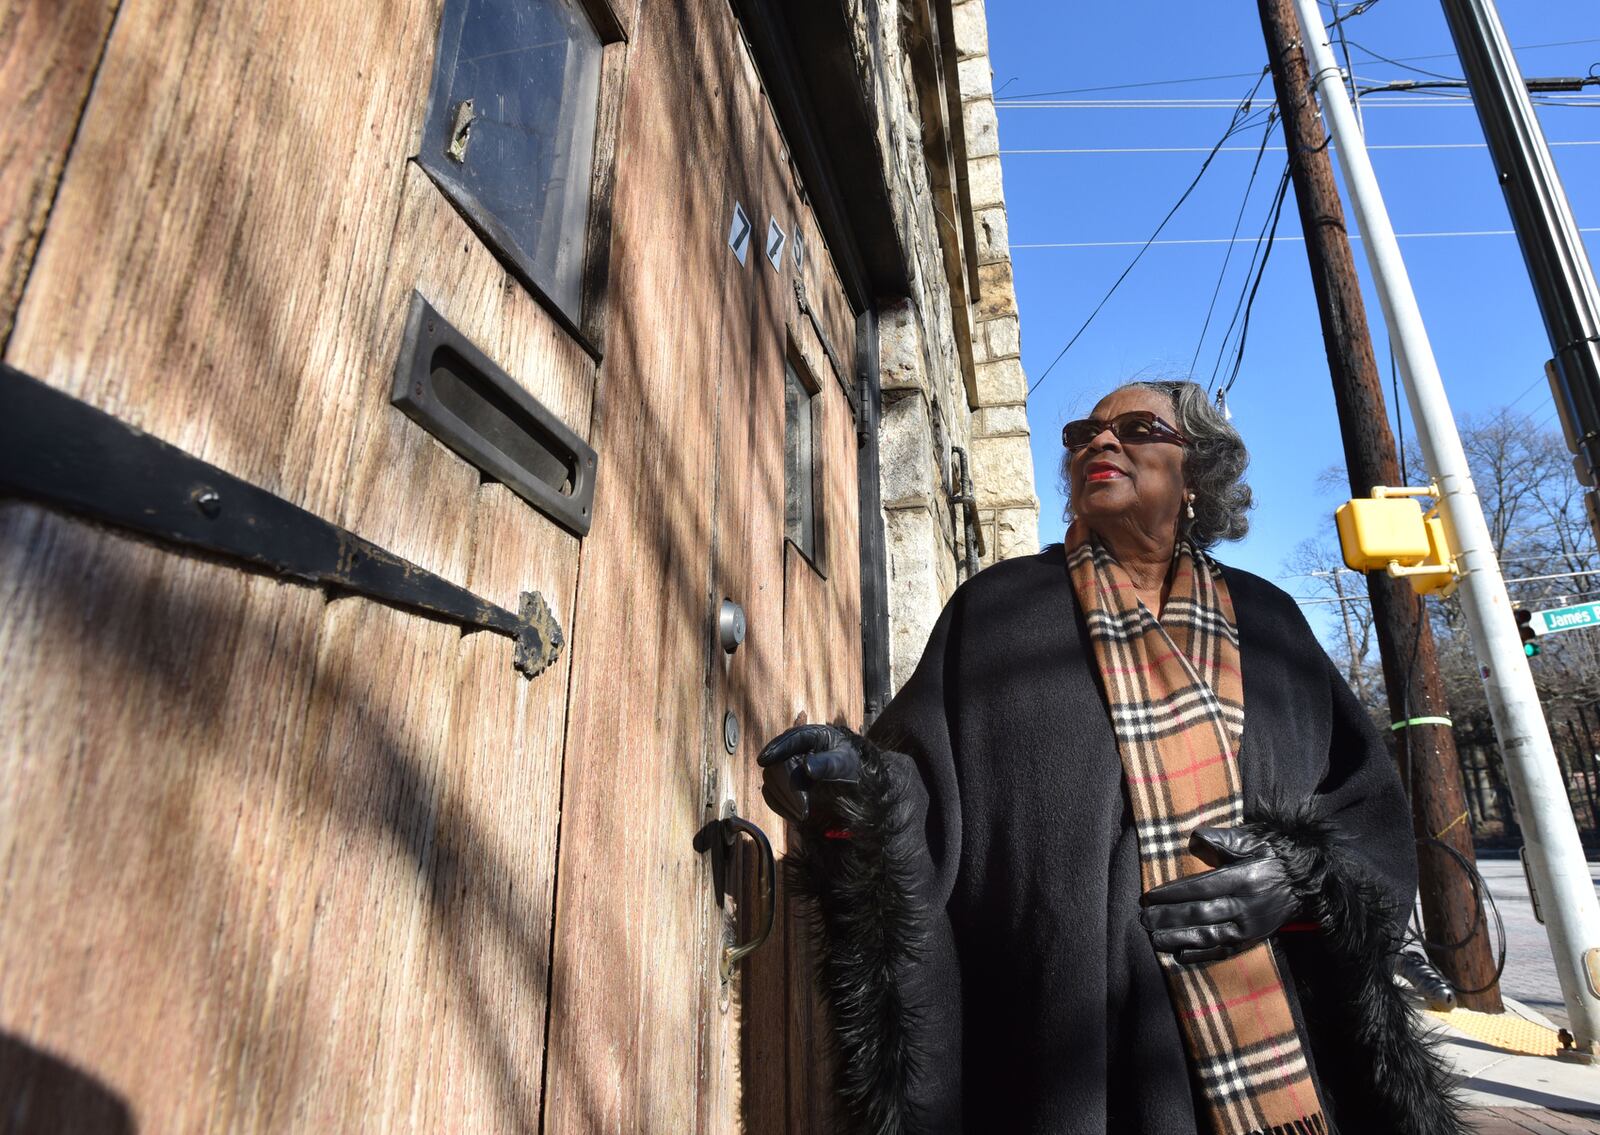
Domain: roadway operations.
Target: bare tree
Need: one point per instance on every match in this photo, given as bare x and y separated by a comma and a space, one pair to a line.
1534, 506
1319, 571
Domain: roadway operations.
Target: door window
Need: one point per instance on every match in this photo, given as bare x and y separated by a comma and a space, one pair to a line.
800, 409
511, 130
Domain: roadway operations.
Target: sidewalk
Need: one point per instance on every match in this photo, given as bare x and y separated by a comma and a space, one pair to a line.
1510, 1077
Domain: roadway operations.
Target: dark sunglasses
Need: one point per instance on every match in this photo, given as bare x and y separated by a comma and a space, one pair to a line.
1132, 428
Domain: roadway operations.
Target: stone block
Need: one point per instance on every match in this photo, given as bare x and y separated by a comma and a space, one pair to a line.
994, 237
1018, 530
976, 78
1002, 337
960, 412
906, 461
998, 421
984, 183
900, 360
1001, 382
1002, 472
982, 127
981, 352
921, 578
971, 29
996, 292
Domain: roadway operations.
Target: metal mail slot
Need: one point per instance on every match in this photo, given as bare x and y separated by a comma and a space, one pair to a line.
453, 390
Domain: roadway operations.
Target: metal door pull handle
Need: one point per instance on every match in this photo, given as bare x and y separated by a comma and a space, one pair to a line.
718, 837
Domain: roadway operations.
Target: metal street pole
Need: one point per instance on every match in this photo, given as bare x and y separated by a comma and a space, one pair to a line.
1557, 263
1555, 856
1425, 746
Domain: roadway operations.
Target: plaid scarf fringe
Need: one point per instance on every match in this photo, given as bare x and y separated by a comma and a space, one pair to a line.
1306, 1125
1176, 697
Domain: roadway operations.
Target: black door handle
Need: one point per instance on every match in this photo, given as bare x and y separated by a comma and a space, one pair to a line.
719, 837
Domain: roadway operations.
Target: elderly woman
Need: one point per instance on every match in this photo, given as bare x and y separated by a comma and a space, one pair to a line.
1125, 854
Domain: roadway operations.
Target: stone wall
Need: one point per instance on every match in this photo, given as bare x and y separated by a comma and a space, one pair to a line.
950, 352
1002, 461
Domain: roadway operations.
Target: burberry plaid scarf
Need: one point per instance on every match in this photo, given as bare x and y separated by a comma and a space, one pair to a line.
1177, 708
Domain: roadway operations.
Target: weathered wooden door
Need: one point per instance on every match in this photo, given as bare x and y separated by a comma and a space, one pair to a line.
691, 414
275, 858
270, 859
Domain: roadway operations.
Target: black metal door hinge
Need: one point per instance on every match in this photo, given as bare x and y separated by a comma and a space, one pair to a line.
65, 454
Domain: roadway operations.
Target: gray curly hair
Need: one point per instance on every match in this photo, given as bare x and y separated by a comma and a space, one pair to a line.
1213, 465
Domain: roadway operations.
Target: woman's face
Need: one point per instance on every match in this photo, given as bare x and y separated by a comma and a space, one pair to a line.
1115, 484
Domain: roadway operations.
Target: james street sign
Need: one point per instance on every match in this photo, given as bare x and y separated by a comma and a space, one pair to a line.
1566, 618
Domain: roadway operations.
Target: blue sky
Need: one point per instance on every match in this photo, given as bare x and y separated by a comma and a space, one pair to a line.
1474, 291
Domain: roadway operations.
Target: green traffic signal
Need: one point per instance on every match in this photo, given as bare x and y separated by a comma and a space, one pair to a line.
1525, 629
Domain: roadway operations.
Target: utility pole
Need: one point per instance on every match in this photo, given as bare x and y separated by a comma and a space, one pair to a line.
1557, 263
1429, 765
1554, 855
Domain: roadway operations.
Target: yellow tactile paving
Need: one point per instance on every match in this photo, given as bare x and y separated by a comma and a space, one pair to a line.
1506, 1031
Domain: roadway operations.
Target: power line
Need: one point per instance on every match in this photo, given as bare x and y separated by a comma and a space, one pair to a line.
1361, 47
1552, 575
1252, 74
1541, 558
1229, 240
1242, 119
1435, 100
1540, 381
1320, 601
1250, 302
1270, 149
1238, 219
1132, 86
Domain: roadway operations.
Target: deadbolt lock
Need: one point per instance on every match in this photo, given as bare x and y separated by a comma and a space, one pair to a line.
730, 625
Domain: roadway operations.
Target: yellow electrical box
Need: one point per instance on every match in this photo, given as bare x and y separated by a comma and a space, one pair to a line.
1377, 531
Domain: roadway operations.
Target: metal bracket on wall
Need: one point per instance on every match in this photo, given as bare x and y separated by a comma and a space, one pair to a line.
839, 373
967, 502
65, 454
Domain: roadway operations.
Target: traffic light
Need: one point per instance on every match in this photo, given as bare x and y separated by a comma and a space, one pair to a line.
1530, 645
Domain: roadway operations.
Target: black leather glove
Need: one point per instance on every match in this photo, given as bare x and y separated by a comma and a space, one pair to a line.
1219, 913
806, 767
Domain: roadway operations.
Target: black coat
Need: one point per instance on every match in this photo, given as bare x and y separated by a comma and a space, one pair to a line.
979, 934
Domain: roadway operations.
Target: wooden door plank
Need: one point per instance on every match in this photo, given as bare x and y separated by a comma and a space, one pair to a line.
749, 567
316, 839
504, 782
47, 61
630, 961
216, 262
350, 917
822, 667
147, 704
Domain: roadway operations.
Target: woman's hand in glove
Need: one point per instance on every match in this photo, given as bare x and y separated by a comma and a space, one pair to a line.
805, 767
1216, 914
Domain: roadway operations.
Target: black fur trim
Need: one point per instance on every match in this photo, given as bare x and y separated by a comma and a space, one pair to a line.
1408, 1089
867, 926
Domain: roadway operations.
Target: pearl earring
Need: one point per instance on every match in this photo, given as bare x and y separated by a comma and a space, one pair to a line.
1190, 508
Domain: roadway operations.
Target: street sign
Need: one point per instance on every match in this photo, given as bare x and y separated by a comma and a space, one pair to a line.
1566, 618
